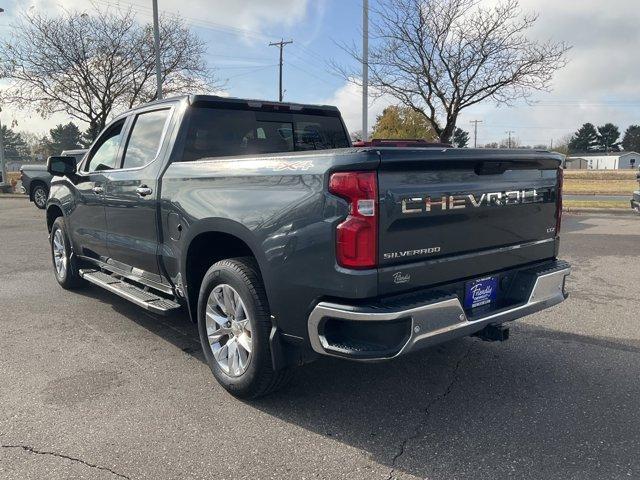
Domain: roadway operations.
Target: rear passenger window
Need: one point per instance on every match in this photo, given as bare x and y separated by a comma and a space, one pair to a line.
145, 138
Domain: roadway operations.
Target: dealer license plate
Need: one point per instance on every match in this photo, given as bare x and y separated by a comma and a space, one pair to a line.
480, 292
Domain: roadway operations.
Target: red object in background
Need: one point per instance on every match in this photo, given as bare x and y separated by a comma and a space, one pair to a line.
405, 142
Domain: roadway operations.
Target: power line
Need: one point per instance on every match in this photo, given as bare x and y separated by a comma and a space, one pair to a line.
251, 71
242, 67
281, 44
216, 27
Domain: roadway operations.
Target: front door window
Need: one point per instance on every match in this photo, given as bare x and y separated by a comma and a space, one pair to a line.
104, 155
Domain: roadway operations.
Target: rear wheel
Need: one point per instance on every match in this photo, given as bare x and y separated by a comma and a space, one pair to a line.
64, 263
234, 326
39, 195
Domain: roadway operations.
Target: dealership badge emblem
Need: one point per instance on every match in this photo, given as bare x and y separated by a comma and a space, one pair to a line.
400, 277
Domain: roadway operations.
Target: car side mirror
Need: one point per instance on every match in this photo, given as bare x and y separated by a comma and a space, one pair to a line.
61, 165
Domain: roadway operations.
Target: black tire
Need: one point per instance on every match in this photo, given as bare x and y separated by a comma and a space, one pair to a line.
39, 194
68, 279
259, 378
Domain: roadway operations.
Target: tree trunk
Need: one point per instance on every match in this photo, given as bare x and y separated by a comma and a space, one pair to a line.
447, 133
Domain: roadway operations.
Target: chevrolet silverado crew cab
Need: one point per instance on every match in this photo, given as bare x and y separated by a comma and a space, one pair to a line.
283, 242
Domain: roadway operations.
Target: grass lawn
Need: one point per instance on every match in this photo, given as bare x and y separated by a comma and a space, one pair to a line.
600, 182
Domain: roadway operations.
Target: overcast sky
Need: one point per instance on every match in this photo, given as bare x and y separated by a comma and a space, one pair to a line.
600, 84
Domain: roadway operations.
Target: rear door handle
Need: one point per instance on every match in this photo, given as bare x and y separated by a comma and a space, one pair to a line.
143, 191
98, 190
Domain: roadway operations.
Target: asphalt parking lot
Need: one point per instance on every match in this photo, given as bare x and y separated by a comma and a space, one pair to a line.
92, 387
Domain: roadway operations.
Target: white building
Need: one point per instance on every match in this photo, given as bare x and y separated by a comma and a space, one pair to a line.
603, 161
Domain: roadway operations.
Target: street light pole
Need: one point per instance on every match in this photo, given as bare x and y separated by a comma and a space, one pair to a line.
365, 70
156, 46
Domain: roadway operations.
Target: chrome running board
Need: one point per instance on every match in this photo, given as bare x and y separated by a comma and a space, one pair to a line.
141, 297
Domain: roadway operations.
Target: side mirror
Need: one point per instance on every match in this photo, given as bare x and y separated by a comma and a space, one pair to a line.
61, 166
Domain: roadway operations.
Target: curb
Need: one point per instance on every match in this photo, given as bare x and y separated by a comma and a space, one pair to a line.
610, 211
13, 195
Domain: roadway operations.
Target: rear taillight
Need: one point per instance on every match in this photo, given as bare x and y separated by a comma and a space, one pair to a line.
357, 236
559, 201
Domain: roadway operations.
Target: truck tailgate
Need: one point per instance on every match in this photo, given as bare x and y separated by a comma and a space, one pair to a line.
455, 213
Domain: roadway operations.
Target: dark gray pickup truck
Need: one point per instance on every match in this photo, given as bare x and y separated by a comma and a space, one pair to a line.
35, 179
284, 242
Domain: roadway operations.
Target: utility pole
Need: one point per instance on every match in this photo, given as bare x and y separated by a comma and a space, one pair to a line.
365, 70
156, 46
475, 132
280, 44
3, 167
509, 132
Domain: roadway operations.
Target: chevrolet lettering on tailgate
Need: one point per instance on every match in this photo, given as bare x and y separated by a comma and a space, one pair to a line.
426, 203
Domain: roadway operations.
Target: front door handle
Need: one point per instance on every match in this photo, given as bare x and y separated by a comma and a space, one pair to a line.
98, 190
143, 191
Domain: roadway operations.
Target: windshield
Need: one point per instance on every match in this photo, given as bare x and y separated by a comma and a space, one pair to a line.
214, 132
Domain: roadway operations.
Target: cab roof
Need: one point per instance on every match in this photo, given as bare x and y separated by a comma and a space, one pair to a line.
231, 102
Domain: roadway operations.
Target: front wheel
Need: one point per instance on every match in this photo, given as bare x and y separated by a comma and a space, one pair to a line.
39, 196
64, 263
234, 326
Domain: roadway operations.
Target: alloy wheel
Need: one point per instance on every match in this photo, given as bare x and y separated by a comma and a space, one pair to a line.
40, 197
228, 330
59, 254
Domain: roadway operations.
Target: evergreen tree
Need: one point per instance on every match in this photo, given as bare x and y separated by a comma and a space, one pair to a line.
608, 135
460, 138
65, 137
15, 148
631, 139
584, 140
90, 134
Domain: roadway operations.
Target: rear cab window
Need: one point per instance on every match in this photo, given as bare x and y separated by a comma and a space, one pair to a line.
220, 132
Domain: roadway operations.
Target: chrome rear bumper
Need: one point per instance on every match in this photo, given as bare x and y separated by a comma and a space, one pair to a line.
434, 322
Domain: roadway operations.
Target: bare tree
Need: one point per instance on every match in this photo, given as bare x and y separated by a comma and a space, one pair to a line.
92, 66
439, 57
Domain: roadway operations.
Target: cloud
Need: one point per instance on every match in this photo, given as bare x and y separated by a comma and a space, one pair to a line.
254, 18
348, 99
600, 83
22, 121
